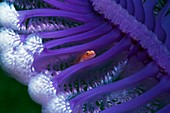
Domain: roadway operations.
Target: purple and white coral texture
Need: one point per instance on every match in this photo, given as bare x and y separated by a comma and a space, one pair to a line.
89, 56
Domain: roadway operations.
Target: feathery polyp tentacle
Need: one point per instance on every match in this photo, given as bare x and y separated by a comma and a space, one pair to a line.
149, 16
111, 37
95, 62
139, 10
139, 32
123, 3
165, 109
9, 16
80, 37
166, 24
130, 7
69, 7
53, 12
124, 83
78, 2
163, 86
159, 20
72, 31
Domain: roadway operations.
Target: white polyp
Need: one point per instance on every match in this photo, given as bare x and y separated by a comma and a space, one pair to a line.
18, 61
58, 104
34, 44
8, 39
18, 64
9, 16
41, 88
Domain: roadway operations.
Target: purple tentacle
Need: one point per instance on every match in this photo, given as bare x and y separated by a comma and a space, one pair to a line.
163, 86
53, 12
111, 37
165, 109
69, 7
158, 28
146, 38
123, 3
149, 16
91, 35
72, 31
78, 2
70, 72
124, 83
130, 7
117, 1
93, 45
133, 51
166, 24
139, 10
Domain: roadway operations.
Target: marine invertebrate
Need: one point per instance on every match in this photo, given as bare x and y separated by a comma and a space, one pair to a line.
132, 59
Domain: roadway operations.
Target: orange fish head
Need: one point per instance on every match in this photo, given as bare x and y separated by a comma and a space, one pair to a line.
88, 55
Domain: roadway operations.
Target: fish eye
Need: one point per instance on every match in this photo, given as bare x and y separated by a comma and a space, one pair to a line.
87, 53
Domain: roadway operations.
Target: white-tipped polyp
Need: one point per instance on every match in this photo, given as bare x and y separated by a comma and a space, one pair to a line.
8, 39
9, 16
18, 63
33, 43
58, 104
41, 88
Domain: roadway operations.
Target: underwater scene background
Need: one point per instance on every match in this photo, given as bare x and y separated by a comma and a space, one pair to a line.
85, 56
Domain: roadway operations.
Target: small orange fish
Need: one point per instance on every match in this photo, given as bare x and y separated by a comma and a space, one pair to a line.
86, 56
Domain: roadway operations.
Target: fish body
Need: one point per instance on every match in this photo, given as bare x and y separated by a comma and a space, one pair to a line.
86, 56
